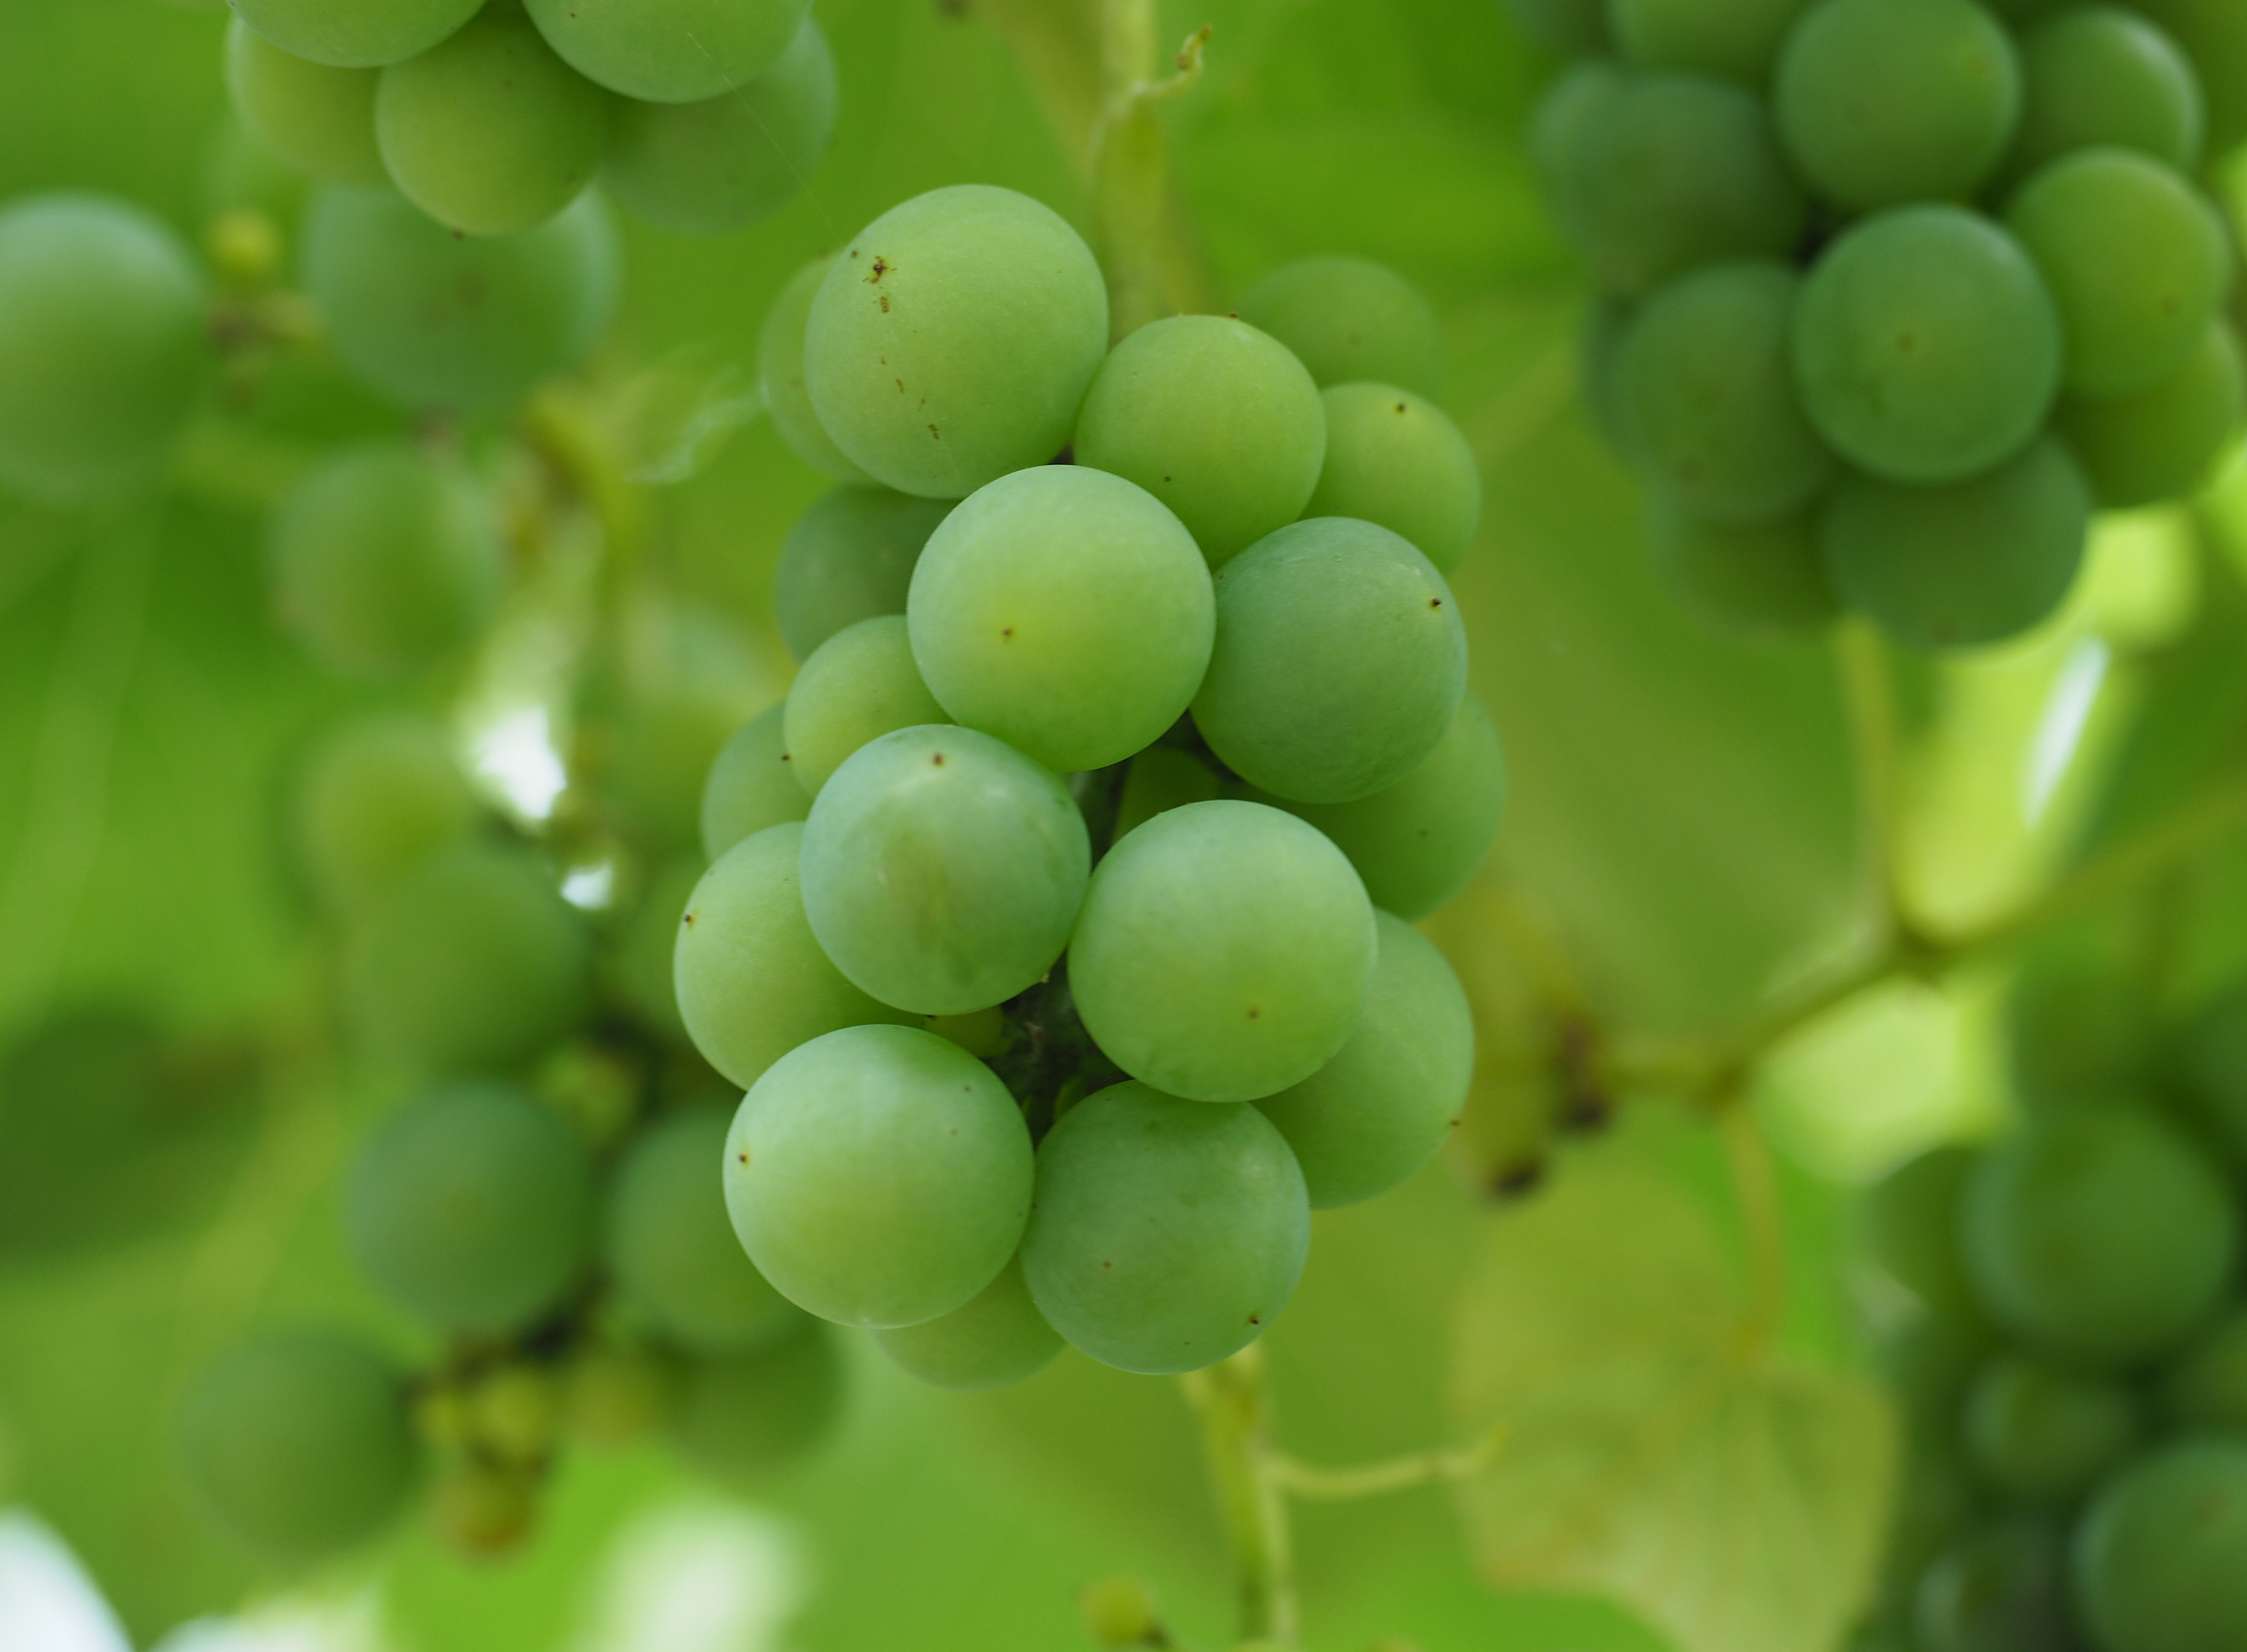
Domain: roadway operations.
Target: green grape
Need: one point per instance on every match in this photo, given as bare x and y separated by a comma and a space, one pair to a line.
751, 786
1349, 319
2127, 324
1225, 952
672, 1251
1166, 1234
1417, 843
670, 51
1926, 347
742, 1417
726, 162
385, 560
636, 965
2205, 1389
1764, 582
295, 1444
1606, 325
942, 870
514, 1413
2079, 1027
879, 1176
997, 1339
1162, 778
377, 797
1121, 1612
2037, 1433
472, 1208
849, 557
788, 397
432, 319
2156, 1555
752, 982
318, 118
1929, 1361
2102, 75
1704, 386
1395, 459
1881, 102
490, 134
1961, 565
103, 348
616, 1396
1910, 1220
1340, 662
1735, 38
2212, 1069
1218, 420
1573, 28
2000, 1588
1066, 611
364, 34
2163, 442
2100, 1236
954, 340
2212, 36
1651, 173
240, 173
472, 960
663, 742
1382, 1106
858, 685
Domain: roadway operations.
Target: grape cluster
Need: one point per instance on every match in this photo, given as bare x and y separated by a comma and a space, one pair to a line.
2073, 1354
701, 116
1896, 293
1057, 923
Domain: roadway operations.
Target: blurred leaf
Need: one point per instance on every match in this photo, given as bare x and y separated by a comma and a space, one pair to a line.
1659, 1449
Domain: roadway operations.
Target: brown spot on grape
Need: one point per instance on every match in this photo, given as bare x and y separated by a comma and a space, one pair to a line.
882, 267
1006, 631
745, 1158
1256, 1319
935, 433
938, 760
1254, 1013
1435, 602
1108, 1265
688, 920
900, 384
886, 303
1400, 406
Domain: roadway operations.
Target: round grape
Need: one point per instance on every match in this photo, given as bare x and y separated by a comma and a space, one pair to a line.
1395, 459
377, 797
2212, 36
2156, 1555
1998, 1588
1911, 1220
2163, 442
2205, 1390
788, 397
858, 685
1348, 320
997, 1339
740, 1418
849, 557
1160, 778
1735, 38
363, 35
752, 785
2037, 1433
1764, 582
2212, 1069
319, 119
671, 50
2100, 75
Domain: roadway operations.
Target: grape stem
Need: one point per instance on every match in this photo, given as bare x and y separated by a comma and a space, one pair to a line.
1312, 1484
1234, 1401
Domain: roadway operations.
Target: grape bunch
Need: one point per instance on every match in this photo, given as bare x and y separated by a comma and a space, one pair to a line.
2073, 1353
537, 1201
701, 116
1058, 922
1895, 294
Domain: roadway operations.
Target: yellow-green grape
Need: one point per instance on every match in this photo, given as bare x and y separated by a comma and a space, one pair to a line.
482, 1509
2082, 1026
672, 1251
242, 174
1225, 952
751, 786
1349, 321
385, 560
636, 965
318, 118
1605, 323
1218, 420
752, 983
472, 1208
995, 1341
1735, 38
1766, 582
377, 797
739, 1417
433, 319
1162, 778
1417, 843
473, 961
2205, 1389
1067, 612
1651, 173
616, 1396
103, 351
1121, 1612
1910, 1223
788, 397
2102, 75
942, 870
490, 134
1705, 386
714, 167
2156, 1555
363, 35
849, 557
670, 51
1340, 661
1167, 1234
953, 340
1881, 102
858, 685
1396, 459
2164, 441
515, 1413
2040, 1433
297, 1444
879, 1176
1957, 566
2212, 36
1382, 1106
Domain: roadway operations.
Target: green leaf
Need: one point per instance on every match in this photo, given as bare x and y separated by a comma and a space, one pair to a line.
1659, 1449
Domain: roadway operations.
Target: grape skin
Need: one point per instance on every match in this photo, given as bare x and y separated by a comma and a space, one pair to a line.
751, 786
2156, 1555
2165, 442
788, 394
1767, 583
740, 1418
994, 1341
2041, 1434
1395, 459
2102, 75
378, 796
1350, 320
364, 35
2000, 1587
319, 119
1738, 39
858, 685
670, 51
849, 557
